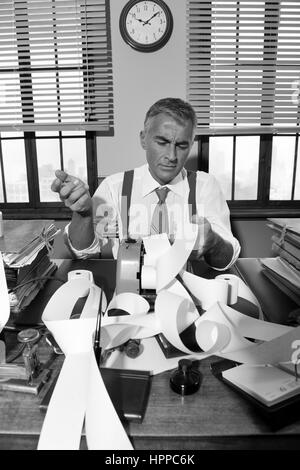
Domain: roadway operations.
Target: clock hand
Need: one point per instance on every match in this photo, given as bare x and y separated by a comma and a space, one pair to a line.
155, 14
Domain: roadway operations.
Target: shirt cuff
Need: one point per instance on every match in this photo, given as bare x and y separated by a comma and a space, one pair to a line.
89, 252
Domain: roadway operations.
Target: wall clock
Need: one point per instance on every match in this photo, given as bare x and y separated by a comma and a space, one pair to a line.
146, 25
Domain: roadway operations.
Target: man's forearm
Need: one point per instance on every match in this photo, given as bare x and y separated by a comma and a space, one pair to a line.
220, 254
81, 231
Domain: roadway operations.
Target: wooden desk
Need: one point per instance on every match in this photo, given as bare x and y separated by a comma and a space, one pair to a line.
216, 417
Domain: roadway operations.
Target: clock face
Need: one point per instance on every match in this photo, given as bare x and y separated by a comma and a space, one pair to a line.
146, 25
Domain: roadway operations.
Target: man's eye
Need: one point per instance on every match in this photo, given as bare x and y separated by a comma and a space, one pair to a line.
162, 142
183, 147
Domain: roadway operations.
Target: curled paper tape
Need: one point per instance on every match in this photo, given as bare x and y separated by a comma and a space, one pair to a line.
168, 260
4, 298
206, 291
170, 263
131, 303
220, 330
148, 277
71, 400
212, 337
172, 312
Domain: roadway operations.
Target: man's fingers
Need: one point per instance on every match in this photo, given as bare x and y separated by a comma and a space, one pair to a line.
72, 191
61, 175
83, 204
76, 194
64, 183
68, 188
64, 177
56, 185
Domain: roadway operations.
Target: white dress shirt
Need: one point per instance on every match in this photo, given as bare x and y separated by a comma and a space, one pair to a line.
107, 211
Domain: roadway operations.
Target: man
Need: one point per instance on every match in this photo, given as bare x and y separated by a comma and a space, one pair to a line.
159, 191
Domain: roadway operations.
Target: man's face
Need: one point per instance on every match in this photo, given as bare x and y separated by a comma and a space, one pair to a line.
167, 144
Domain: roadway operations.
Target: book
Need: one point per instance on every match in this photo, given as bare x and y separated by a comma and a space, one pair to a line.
268, 384
284, 271
288, 224
277, 281
289, 247
288, 236
285, 255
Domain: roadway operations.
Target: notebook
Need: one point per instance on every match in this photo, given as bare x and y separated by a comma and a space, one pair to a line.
268, 384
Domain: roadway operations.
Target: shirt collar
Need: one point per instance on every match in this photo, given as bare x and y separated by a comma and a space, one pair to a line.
150, 184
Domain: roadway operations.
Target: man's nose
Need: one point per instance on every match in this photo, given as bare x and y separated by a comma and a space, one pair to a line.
172, 153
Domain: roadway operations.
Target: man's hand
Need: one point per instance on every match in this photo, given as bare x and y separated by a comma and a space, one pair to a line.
216, 251
73, 192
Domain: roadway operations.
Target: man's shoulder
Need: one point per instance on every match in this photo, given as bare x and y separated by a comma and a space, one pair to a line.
202, 176
118, 177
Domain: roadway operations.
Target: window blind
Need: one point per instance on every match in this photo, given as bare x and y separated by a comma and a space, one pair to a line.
244, 65
55, 65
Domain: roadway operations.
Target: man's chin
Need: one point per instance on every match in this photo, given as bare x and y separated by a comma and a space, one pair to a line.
166, 174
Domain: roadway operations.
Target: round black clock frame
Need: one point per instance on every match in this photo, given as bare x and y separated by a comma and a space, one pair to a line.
146, 47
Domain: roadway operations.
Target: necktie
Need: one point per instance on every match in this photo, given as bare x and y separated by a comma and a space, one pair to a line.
160, 222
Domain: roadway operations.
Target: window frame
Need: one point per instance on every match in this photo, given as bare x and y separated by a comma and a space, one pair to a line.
35, 209
262, 207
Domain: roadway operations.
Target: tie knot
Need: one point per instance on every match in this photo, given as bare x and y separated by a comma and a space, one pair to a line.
162, 194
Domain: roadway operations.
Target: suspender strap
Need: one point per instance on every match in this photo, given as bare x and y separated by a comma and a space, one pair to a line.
192, 176
126, 200
127, 190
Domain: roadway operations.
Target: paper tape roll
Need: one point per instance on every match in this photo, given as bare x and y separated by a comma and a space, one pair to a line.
233, 287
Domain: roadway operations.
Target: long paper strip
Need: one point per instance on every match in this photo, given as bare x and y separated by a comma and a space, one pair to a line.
4, 298
74, 336
221, 330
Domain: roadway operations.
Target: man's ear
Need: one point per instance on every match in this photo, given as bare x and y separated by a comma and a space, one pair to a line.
142, 139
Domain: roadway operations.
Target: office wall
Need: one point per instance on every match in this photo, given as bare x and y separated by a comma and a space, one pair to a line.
139, 80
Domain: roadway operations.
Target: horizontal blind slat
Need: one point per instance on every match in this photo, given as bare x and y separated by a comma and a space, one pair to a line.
55, 65
244, 61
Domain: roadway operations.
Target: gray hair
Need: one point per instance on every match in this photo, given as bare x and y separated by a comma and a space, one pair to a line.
178, 109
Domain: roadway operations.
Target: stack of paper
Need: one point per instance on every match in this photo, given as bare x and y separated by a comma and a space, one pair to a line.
284, 270
25, 249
